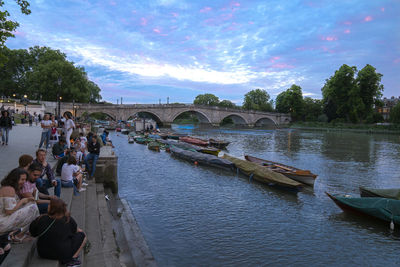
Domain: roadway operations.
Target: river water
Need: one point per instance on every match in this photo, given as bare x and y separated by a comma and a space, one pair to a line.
201, 216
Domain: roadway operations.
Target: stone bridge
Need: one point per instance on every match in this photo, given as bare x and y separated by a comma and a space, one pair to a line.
165, 114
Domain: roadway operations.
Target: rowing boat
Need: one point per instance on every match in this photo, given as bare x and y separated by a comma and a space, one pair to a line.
193, 140
153, 145
187, 146
381, 208
302, 176
264, 175
218, 143
393, 193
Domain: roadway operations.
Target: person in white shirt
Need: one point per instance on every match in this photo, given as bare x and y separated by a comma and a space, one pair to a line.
69, 126
71, 175
46, 130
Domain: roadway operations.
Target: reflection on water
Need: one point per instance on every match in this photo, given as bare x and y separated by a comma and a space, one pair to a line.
199, 216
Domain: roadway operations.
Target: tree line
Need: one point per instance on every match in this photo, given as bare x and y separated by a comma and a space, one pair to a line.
347, 96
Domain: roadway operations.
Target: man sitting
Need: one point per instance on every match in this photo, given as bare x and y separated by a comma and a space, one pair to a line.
70, 153
29, 188
59, 149
94, 152
42, 183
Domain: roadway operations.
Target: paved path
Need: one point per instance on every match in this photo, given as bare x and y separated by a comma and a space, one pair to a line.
22, 140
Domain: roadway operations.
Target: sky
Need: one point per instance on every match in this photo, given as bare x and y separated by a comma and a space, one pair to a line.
149, 51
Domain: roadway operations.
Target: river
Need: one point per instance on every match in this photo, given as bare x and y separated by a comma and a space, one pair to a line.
201, 216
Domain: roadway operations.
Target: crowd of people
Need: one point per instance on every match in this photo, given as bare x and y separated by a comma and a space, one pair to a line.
28, 210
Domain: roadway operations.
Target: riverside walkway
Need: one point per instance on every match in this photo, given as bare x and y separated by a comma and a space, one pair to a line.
89, 209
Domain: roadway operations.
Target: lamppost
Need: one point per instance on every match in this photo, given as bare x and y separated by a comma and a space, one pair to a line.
25, 101
59, 81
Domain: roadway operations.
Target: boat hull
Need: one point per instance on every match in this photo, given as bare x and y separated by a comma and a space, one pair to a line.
393, 193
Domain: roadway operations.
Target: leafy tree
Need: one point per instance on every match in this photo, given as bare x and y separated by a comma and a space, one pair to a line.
312, 109
257, 100
337, 92
206, 99
226, 104
395, 113
8, 26
291, 101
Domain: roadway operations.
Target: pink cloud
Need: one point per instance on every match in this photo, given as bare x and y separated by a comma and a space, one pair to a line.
347, 23
156, 30
251, 22
143, 21
382, 9
205, 9
113, 3
329, 38
397, 60
175, 15
347, 31
282, 66
368, 18
273, 59
236, 4
18, 33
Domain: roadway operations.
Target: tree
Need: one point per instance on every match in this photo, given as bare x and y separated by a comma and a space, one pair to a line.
8, 26
312, 109
395, 113
257, 100
339, 92
206, 99
291, 101
226, 104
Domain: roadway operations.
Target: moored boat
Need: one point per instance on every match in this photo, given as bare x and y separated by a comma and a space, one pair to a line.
194, 141
207, 150
393, 193
302, 176
381, 208
131, 140
264, 175
218, 143
125, 131
155, 146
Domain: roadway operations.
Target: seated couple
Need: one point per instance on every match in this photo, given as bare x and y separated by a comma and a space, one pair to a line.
71, 175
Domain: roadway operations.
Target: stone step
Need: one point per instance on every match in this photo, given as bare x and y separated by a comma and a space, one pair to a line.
78, 212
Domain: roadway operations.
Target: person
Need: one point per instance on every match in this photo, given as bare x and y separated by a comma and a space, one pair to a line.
60, 162
30, 119
15, 212
80, 150
29, 188
59, 148
25, 161
42, 183
69, 126
53, 129
71, 175
6, 126
46, 125
94, 152
104, 137
36, 119
59, 237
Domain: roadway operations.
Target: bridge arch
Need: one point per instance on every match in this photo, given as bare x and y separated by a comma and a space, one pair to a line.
203, 118
265, 121
148, 114
237, 119
90, 112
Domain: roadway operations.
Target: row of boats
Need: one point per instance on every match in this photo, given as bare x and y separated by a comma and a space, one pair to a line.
383, 204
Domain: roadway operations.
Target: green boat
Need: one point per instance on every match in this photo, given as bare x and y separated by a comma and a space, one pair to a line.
393, 193
141, 140
381, 208
155, 146
264, 175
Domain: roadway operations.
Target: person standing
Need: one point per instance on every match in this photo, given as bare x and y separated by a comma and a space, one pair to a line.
46, 126
69, 126
94, 152
6, 126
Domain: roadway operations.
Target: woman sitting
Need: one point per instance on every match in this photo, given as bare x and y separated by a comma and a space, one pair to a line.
71, 175
15, 213
59, 238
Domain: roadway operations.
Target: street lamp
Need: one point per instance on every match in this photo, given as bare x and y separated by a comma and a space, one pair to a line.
59, 81
25, 101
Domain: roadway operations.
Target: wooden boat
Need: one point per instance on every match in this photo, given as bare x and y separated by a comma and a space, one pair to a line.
155, 146
125, 131
118, 129
302, 176
131, 140
381, 208
218, 143
201, 158
193, 140
393, 193
207, 150
264, 175
141, 140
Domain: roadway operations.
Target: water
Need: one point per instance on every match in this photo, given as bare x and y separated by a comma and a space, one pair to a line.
200, 216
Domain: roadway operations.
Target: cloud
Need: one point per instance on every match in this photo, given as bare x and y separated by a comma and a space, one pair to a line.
205, 9
347, 31
368, 18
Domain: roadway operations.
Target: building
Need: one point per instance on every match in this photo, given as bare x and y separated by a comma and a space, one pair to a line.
388, 104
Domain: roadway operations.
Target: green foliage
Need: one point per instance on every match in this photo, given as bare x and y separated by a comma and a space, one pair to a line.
257, 100
312, 109
226, 104
186, 118
227, 121
7, 27
351, 98
206, 99
36, 72
97, 116
291, 101
395, 113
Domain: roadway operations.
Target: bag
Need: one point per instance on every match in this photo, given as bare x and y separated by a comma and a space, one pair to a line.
53, 130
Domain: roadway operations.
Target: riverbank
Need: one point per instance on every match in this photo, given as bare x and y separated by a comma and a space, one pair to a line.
93, 213
341, 127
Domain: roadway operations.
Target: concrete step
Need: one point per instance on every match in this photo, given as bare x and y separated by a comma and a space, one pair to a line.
78, 212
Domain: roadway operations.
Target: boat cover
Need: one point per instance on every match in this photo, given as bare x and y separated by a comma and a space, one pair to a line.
393, 193
201, 158
382, 208
188, 146
262, 174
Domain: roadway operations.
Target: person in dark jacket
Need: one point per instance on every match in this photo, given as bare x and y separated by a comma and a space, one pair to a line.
59, 237
94, 152
5, 125
58, 149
